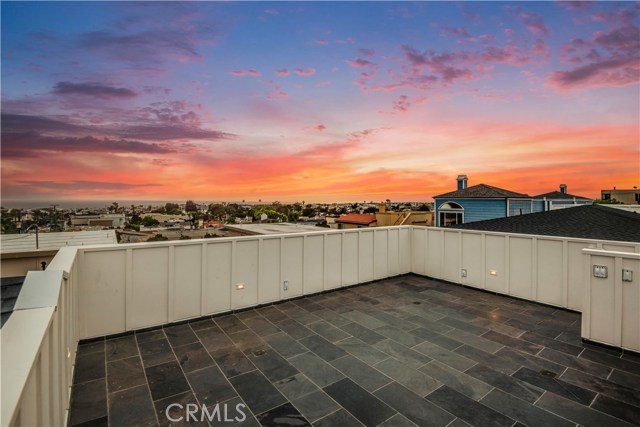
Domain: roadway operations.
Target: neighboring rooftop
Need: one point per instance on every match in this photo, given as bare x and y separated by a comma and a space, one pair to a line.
403, 351
588, 222
481, 191
9, 290
559, 195
359, 219
272, 228
15, 243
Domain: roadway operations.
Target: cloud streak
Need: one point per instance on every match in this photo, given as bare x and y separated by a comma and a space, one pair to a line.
243, 73
305, 72
30, 144
29, 123
95, 90
534, 23
82, 185
610, 58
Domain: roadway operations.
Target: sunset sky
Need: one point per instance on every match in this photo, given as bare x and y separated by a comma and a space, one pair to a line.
317, 101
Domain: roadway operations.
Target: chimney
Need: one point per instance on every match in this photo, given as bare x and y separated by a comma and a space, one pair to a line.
462, 182
381, 207
563, 188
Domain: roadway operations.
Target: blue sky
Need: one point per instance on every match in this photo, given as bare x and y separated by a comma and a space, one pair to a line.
317, 100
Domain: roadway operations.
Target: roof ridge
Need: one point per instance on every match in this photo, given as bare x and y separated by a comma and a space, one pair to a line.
615, 211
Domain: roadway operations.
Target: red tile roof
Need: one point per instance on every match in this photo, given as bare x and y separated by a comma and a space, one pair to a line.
360, 219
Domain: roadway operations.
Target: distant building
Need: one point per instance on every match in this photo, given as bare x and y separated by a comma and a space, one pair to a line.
627, 197
356, 221
269, 228
483, 202
385, 219
102, 220
586, 222
213, 224
561, 199
168, 219
478, 203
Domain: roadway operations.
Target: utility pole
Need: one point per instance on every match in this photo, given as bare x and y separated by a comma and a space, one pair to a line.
37, 237
55, 217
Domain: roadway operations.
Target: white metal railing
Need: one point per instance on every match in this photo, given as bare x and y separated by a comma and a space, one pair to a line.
102, 290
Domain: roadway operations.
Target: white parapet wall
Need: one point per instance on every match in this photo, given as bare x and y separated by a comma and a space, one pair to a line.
89, 292
545, 269
612, 298
39, 344
129, 287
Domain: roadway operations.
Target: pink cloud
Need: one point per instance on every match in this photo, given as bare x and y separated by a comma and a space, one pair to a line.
283, 72
94, 90
458, 32
609, 59
534, 23
429, 69
348, 40
463, 36
570, 52
575, 5
470, 15
317, 128
277, 92
403, 103
363, 79
243, 73
623, 38
613, 72
540, 48
367, 52
321, 42
359, 63
305, 73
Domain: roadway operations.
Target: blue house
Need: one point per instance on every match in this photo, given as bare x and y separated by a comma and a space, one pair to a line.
481, 202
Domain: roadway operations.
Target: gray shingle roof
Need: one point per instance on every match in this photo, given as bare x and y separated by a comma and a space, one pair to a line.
588, 222
559, 195
9, 291
481, 191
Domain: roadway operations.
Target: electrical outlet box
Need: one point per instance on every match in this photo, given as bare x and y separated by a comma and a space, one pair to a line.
627, 275
600, 271
285, 285
463, 272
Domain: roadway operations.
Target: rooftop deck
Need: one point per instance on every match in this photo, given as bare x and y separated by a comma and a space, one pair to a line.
397, 352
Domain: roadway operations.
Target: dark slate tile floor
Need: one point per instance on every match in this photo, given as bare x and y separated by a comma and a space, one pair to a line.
399, 352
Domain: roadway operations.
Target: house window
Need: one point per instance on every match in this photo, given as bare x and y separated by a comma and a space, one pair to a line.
450, 213
450, 218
